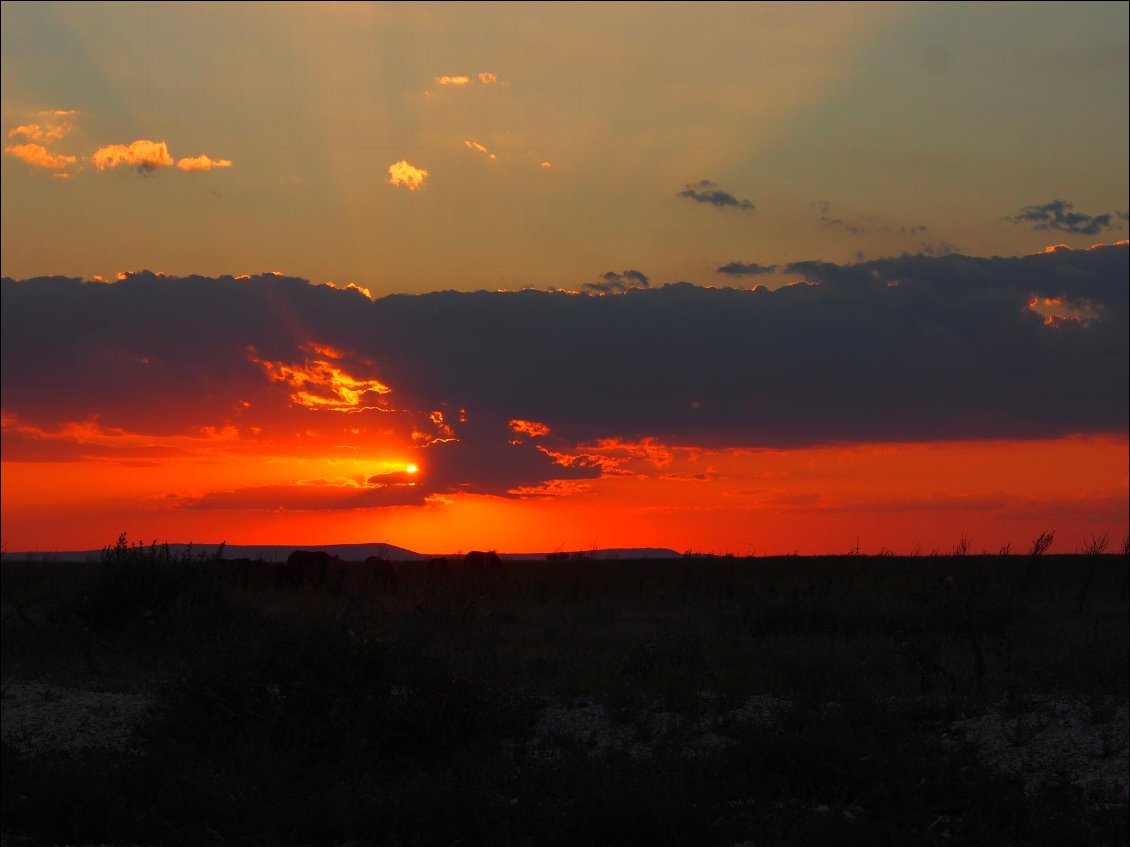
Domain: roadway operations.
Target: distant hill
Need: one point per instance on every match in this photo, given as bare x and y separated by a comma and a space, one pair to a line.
349, 552
266, 552
608, 553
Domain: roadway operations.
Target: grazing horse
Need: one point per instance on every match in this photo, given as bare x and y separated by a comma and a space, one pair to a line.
481, 560
381, 570
304, 566
239, 570
482, 571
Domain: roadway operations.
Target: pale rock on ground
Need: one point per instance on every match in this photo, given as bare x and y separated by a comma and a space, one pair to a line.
1086, 744
37, 716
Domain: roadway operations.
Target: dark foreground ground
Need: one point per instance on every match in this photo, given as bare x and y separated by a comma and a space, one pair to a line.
159, 699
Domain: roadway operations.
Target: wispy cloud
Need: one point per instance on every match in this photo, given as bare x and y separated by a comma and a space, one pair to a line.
463, 80
321, 383
748, 269
40, 132
706, 191
479, 148
617, 283
534, 429
832, 222
855, 227
69, 441
941, 247
308, 496
402, 174
1058, 215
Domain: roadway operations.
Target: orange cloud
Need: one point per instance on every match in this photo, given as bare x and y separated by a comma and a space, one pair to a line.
552, 488
609, 465
441, 425
90, 440
324, 350
38, 156
487, 78
1056, 311
144, 155
650, 450
37, 132
351, 286
403, 174
319, 384
453, 80
202, 163
32, 132
530, 428
478, 148
546, 165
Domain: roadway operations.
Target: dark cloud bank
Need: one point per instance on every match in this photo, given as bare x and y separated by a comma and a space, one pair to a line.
901, 349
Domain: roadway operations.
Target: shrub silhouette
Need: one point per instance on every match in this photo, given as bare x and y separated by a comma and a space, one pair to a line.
138, 586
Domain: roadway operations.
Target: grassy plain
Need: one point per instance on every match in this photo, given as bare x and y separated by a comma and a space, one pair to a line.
703, 701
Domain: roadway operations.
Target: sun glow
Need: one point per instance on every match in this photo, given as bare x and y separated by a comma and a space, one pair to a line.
411, 469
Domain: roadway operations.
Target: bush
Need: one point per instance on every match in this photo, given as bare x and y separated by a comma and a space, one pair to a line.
143, 588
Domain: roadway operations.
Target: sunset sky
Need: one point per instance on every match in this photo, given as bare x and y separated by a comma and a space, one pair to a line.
748, 278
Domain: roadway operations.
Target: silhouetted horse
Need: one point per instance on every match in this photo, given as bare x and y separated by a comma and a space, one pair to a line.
381, 570
240, 571
306, 567
483, 561
482, 571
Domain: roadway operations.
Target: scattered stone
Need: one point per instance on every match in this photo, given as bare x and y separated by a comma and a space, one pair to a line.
38, 716
1050, 738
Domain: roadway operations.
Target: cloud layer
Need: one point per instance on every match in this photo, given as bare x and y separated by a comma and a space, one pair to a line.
504, 392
